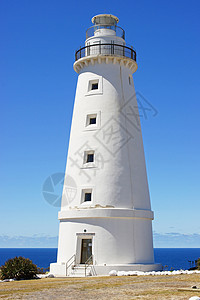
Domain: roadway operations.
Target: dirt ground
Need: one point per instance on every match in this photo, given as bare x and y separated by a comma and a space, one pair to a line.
130, 287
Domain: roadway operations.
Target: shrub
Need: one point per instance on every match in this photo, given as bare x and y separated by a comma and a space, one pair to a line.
42, 270
18, 268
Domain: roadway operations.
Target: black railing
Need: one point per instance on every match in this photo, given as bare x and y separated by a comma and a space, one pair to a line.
96, 30
106, 49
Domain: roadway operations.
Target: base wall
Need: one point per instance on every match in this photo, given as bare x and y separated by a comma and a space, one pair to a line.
59, 270
104, 270
114, 240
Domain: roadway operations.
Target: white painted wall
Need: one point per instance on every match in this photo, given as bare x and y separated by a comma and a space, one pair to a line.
122, 181
119, 215
116, 241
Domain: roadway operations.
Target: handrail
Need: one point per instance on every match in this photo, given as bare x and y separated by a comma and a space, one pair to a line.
87, 263
106, 49
67, 263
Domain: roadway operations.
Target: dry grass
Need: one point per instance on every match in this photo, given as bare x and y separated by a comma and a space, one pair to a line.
131, 287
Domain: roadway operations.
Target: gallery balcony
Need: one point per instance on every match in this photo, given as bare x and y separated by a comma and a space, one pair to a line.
106, 49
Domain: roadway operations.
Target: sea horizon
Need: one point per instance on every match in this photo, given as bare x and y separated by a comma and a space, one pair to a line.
57, 247
170, 258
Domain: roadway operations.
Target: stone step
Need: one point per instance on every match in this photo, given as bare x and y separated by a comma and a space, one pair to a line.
80, 272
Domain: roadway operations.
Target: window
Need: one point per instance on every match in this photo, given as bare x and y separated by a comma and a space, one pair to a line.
130, 80
92, 120
94, 86
88, 157
86, 195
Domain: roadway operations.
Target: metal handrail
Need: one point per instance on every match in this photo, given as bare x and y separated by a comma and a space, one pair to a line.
119, 31
106, 49
87, 263
69, 265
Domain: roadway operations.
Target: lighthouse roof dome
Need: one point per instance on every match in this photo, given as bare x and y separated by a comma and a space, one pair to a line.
105, 19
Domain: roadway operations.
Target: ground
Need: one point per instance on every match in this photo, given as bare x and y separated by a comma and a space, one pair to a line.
124, 287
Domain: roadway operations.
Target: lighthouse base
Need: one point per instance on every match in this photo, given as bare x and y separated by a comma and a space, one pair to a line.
60, 270
104, 270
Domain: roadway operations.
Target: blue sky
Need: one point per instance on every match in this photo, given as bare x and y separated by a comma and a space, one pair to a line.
37, 89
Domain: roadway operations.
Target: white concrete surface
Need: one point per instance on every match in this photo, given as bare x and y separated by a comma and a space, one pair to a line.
118, 218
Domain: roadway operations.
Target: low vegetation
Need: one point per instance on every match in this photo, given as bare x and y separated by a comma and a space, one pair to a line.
18, 268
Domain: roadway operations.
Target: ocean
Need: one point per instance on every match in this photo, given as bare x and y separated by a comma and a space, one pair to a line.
171, 258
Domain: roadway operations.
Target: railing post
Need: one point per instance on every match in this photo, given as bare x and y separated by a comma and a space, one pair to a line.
88, 50
87, 262
131, 52
112, 48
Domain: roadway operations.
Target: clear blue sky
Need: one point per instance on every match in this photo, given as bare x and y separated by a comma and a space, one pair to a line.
37, 89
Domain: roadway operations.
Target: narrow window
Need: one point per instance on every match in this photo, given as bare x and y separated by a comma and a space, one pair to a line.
92, 121
86, 195
94, 86
130, 79
90, 157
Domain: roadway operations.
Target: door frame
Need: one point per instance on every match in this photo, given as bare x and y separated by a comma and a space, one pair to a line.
80, 237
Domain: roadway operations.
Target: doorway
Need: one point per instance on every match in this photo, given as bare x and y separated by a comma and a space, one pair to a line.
86, 250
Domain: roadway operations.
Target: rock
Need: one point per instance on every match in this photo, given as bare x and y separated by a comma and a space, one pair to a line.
113, 273
194, 287
194, 298
152, 273
40, 276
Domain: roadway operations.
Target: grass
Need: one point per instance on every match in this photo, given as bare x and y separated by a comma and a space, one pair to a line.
130, 287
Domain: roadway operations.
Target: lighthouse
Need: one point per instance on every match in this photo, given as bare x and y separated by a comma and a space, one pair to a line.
105, 217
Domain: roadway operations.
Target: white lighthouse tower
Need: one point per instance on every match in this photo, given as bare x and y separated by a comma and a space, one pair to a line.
105, 217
